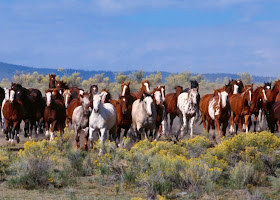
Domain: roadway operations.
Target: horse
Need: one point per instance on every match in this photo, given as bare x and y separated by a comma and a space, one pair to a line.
54, 113
52, 81
38, 107
7, 96
103, 118
80, 120
92, 91
171, 105
258, 107
187, 104
145, 89
159, 103
61, 86
218, 110
22, 94
13, 113
240, 108
144, 116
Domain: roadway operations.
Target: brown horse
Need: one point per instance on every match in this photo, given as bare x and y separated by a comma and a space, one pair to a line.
52, 81
258, 106
240, 108
61, 86
145, 88
218, 110
74, 103
54, 113
13, 113
203, 107
171, 105
273, 96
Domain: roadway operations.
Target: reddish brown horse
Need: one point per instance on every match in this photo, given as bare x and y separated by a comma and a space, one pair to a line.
61, 86
13, 113
203, 107
145, 88
55, 113
74, 103
273, 97
52, 80
218, 110
240, 109
171, 105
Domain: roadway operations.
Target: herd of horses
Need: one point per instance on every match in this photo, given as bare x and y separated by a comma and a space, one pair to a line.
145, 111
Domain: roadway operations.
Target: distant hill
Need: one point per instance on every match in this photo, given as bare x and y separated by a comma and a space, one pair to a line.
9, 70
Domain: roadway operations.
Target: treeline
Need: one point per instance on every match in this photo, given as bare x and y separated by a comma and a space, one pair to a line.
40, 81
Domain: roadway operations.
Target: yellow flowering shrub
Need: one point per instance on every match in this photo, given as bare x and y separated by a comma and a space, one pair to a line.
4, 162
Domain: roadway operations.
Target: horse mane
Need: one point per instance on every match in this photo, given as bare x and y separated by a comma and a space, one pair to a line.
194, 84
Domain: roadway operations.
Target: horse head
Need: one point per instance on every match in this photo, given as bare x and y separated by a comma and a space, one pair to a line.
52, 80
124, 103
158, 96
67, 97
192, 95
125, 88
97, 102
223, 94
105, 96
178, 89
93, 89
145, 88
248, 90
86, 102
267, 85
49, 97
147, 102
194, 84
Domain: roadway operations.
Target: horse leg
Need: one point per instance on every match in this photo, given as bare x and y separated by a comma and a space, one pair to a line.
191, 125
6, 129
224, 129
204, 121
231, 130
52, 128
91, 131
16, 128
255, 123
183, 123
103, 132
26, 128
86, 130
172, 117
47, 130
247, 122
77, 136
113, 134
218, 126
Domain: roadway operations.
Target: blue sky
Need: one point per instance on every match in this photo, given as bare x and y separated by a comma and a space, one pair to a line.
201, 36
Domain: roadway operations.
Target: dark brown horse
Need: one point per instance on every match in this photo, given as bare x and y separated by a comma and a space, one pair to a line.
13, 113
160, 106
145, 89
171, 104
240, 109
55, 113
61, 86
2, 97
258, 107
52, 80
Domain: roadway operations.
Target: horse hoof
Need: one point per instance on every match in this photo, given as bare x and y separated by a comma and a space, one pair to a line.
17, 138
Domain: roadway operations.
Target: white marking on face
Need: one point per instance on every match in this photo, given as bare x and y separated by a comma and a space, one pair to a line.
124, 89
96, 102
147, 87
48, 95
264, 95
162, 94
157, 96
268, 87
66, 100
250, 95
124, 100
81, 92
235, 89
12, 95
224, 96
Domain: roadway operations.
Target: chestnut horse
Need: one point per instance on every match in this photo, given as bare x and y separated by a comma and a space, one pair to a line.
13, 113
145, 89
218, 110
55, 113
171, 104
52, 81
240, 109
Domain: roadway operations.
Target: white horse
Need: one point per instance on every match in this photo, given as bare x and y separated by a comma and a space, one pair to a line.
80, 119
143, 116
159, 98
187, 105
103, 118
